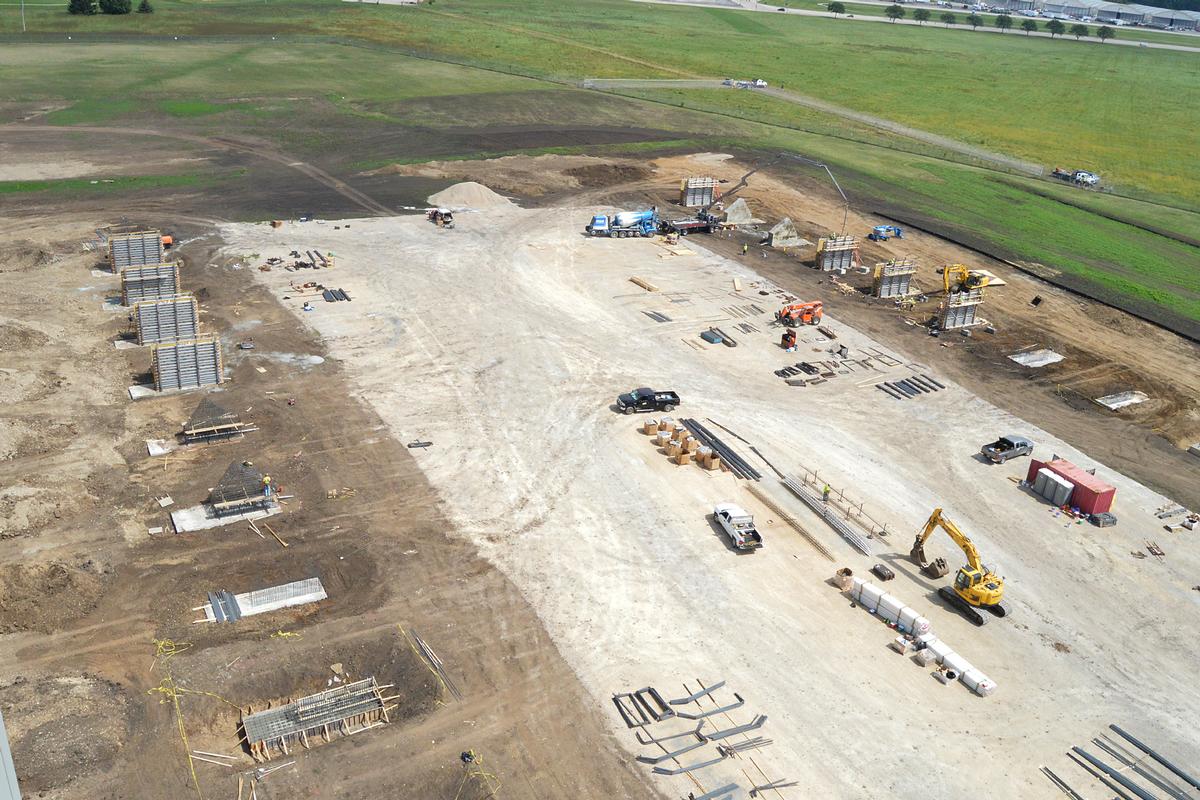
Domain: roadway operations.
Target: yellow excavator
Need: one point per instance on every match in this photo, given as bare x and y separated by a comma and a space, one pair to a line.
957, 278
975, 587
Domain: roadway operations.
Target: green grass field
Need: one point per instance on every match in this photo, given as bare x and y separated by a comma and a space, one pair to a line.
1053, 102
1129, 113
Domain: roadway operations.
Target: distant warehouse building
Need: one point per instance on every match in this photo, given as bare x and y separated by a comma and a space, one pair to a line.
1177, 20
1014, 5
1077, 9
1108, 13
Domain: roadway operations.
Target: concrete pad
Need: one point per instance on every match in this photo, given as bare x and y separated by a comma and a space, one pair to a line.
1122, 399
202, 518
1036, 358
126, 344
160, 447
141, 391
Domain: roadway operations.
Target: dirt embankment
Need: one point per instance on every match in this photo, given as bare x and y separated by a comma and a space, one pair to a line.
529, 176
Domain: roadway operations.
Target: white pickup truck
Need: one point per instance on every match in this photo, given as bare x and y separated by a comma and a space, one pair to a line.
738, 526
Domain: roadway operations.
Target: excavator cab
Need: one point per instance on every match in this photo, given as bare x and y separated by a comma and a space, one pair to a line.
958, 278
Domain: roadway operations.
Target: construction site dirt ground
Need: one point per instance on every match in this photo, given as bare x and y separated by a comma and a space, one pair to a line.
86, 591
505, 341
542, 545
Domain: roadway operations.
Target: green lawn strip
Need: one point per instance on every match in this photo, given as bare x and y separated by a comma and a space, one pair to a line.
120, 183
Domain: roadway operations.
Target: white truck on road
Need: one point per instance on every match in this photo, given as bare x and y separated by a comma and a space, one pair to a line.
738, 526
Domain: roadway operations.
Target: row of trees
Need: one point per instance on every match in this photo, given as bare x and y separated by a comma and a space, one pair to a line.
107, 7
1003, 21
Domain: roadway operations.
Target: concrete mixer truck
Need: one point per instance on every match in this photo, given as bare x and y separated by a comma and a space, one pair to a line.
624, 224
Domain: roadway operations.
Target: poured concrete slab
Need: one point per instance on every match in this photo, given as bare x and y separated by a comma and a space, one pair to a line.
141, 391
160, 447
1036, 358
202, 517
1122, 399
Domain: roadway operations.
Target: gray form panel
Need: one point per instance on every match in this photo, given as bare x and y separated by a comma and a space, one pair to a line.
9, 790
167, 320
158, 282
187, 365
134, 249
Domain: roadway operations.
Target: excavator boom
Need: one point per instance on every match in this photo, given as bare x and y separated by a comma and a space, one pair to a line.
975, 586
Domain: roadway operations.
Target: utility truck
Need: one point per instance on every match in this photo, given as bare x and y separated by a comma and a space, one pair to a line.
738, 526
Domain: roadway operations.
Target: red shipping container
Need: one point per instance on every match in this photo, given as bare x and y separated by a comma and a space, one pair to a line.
1091, 495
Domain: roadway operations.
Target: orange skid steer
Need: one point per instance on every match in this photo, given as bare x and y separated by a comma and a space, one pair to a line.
801, 314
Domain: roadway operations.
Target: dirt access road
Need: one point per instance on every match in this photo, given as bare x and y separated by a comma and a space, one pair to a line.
85, 590
610, 543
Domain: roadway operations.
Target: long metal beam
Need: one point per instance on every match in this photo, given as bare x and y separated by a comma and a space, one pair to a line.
1178, 772
1126, 762
1061, 785
738, 704
691, 698
1099, 776
1114, 774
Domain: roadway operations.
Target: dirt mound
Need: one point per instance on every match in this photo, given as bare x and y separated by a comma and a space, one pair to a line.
14, 336
469, 195
22, 256
46, 597
62, 728
595, 176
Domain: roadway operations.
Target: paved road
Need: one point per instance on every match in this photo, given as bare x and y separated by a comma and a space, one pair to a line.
1003, 161
750, 5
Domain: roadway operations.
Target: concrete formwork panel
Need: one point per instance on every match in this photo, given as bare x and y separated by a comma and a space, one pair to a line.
837, 254
960, 309
187, 364
894, 278
156, 282
167, 320
697, 192
134, 249
9, 790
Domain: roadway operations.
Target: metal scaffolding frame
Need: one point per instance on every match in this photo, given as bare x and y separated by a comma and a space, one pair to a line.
337, 710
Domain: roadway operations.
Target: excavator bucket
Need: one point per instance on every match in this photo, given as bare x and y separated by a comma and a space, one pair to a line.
938, 568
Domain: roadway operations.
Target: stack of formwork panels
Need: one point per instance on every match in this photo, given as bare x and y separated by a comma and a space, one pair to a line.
697, 192
894, 278
960, 309
167, 320
149, 282
134, 249
187, 364
837, 254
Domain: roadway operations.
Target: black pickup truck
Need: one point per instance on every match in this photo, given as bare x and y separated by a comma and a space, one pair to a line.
647, 400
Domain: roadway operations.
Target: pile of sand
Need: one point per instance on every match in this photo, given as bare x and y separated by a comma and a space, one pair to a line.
468, 195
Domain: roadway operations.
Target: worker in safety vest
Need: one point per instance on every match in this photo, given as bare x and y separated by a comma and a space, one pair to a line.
266, 485
825, 493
